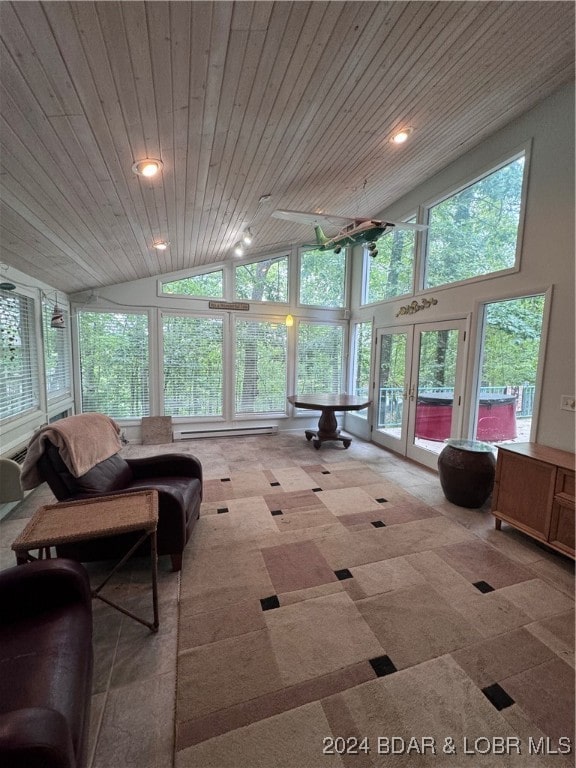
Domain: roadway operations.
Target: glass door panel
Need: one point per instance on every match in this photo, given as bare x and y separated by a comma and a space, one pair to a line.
393, 374
418, 388
436, 390
505, 397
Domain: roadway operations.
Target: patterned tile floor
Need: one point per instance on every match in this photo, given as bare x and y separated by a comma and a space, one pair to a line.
516, 628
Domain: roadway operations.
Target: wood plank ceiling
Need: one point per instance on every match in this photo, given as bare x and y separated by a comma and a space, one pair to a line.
296, 100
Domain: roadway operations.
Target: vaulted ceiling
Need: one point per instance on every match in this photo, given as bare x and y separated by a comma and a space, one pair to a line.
297, 100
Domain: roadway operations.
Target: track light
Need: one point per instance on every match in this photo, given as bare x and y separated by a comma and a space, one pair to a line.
247, 237
239, 249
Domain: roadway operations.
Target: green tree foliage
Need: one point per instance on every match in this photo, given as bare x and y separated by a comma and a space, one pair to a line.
391, 273
475, 231
208, 284
265, 280
193, 365
322, 278
114, 363
260, 366
512, 334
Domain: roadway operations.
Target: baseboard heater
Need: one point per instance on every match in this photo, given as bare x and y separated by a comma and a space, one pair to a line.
190, 434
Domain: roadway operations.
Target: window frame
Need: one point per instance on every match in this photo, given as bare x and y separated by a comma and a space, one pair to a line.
486, 170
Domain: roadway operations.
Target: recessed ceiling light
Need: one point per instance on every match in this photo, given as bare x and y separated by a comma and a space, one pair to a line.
147, 167
401, 136
160, 245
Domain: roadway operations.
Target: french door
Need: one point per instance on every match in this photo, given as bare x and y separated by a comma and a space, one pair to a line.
419, 386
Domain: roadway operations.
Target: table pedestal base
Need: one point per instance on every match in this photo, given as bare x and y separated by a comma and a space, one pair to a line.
327, 430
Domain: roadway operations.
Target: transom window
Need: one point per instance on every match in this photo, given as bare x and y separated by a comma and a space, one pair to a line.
391, 272
322, 278
475, 231
209, 285
265, 280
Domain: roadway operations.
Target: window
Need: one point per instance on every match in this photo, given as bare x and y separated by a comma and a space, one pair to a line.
319, 358
114, 363
510, 352
260, 367
265, 280
57, 357
192, 365
207, 285
18, 356
391, 272
475, 231
361, 371
322, 278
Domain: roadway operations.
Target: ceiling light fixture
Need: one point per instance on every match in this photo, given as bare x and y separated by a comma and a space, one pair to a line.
247, 237
161, 245
239, 249
148, 167
401, 136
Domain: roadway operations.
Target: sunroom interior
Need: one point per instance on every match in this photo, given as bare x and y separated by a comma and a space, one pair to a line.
457, 322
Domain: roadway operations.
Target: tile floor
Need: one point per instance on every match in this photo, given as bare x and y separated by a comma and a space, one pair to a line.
132, 723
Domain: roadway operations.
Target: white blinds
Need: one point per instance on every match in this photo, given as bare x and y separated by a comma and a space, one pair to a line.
114, 363
320, 351
361, 370
260, 369
18, 355
193, 365
57, 354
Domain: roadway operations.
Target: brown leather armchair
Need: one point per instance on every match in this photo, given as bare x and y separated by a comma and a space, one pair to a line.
46, 665
176, 477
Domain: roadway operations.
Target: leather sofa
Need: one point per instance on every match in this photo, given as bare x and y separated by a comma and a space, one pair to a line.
45, 665
176, 477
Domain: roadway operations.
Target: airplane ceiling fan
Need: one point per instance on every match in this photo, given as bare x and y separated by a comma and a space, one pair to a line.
351, 231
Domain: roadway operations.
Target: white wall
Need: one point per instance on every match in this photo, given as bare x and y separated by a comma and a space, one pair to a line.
547, 256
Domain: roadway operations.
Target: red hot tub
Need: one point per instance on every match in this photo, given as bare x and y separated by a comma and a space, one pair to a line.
496, 417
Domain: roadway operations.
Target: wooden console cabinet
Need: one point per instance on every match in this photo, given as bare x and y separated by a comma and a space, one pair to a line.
534, 492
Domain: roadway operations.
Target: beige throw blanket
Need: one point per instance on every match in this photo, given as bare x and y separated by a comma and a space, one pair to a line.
83, 441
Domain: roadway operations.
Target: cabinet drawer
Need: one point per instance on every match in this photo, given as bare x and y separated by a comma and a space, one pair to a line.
565, 482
